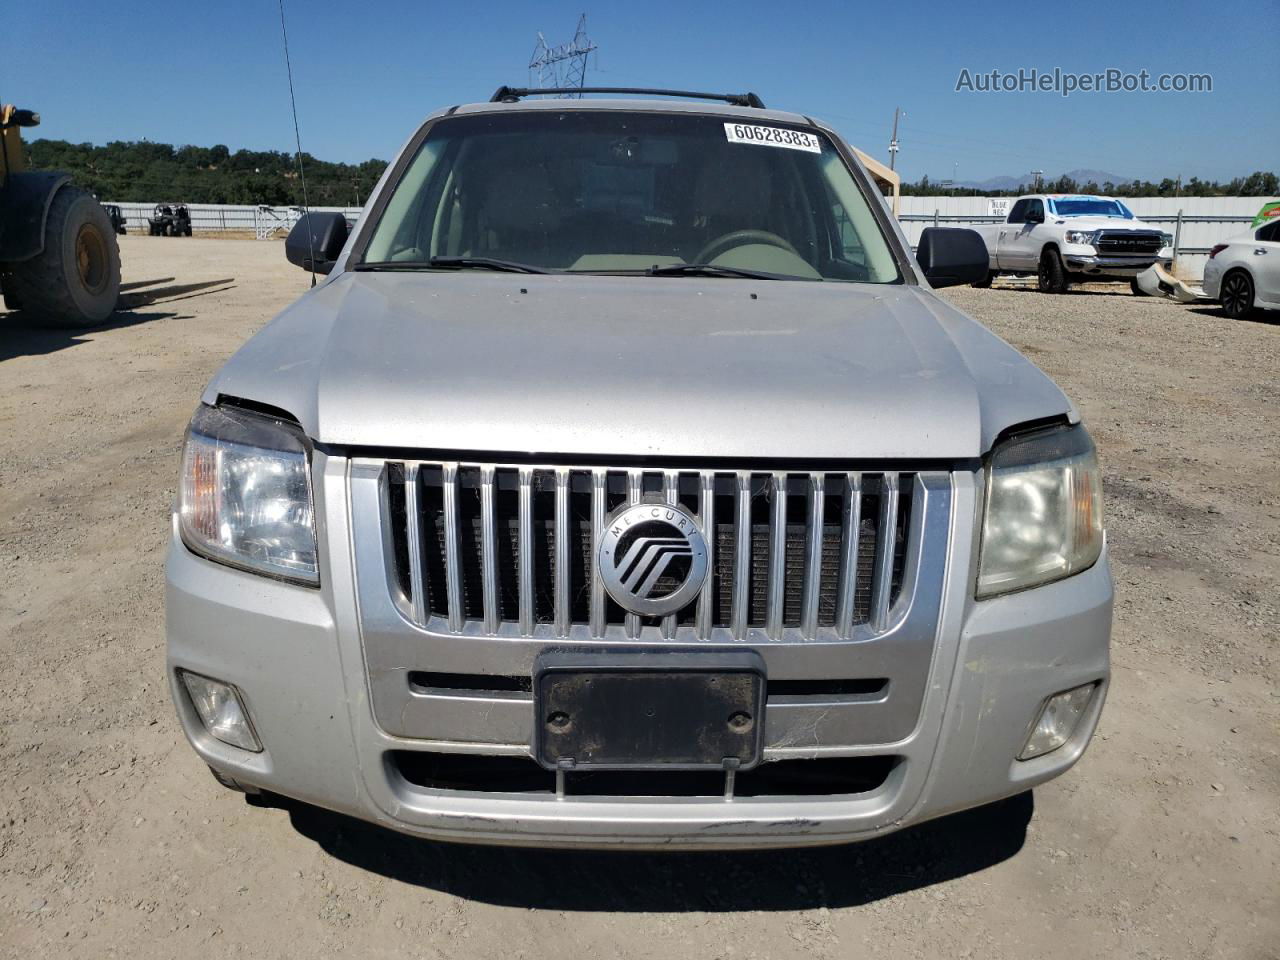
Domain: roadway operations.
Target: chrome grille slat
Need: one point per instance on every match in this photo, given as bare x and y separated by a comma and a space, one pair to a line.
599, 493
885, 539
707, 514
742, 559
635, 490
671, 494
452, 555
777, 554
488, 549
413, 516
562, 553
814, 532
525, 561
852, 525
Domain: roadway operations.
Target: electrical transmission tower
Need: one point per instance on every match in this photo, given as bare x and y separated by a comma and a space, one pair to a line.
562, 66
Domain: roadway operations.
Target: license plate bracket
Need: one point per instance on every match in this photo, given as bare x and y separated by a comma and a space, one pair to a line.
648, 710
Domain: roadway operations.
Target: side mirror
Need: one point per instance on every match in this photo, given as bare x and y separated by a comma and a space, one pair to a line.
1035, 216
950, 256
321, 235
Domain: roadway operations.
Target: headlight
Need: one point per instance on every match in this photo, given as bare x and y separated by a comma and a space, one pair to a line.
1044, 510
246, 493
1081, 236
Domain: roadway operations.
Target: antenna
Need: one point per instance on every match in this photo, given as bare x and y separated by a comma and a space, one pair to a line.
297, 137
565, 66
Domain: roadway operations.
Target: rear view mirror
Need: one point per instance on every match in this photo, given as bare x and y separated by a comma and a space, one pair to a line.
316, 235
950, 256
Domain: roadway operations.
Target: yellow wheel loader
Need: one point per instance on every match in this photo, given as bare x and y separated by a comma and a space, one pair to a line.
59, 261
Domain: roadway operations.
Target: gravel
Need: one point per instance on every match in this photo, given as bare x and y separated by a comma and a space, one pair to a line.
1163, 843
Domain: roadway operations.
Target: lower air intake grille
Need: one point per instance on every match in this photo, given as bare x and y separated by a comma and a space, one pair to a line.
831, 776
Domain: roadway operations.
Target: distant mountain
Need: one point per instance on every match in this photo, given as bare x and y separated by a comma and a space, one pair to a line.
1012, 183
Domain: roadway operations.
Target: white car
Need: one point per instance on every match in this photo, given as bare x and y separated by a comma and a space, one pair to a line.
1066, 238
1243, 274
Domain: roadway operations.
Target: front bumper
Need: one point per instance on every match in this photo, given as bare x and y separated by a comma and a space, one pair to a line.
296, 655
1092, 264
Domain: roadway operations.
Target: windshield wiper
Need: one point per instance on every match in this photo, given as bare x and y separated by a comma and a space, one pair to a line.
713, 270
452, 263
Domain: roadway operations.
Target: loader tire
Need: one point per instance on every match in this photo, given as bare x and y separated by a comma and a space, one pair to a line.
75, 280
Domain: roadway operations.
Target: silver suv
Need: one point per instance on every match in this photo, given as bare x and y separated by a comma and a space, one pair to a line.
626, 482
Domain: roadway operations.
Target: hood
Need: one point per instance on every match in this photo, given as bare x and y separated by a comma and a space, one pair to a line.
644, 367
1103, 223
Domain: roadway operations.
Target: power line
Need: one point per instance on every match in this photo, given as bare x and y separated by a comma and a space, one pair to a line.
297, 137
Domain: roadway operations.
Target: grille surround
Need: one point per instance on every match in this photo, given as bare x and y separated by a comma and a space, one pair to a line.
490, 560
1137, 242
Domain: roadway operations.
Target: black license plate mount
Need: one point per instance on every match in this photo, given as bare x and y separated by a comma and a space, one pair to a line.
649, 711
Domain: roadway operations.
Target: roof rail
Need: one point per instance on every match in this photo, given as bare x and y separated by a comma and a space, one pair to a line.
506, 94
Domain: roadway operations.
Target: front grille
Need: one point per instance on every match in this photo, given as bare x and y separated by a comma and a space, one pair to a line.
495, 549
1129, 241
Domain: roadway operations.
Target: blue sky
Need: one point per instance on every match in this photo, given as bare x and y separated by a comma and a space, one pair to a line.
365, 74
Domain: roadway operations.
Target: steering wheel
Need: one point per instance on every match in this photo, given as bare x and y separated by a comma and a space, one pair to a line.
739, 238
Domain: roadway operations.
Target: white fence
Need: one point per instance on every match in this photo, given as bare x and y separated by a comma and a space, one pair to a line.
1197, 222
264, 221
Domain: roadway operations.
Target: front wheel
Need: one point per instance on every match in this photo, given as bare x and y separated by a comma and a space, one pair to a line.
1052, 275
75, 280
1236, 295
986, 281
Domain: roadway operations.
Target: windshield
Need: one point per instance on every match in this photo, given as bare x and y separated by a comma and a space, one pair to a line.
1090, 207
623, 192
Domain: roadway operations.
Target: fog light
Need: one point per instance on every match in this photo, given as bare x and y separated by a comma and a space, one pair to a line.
1057, 721
221, 711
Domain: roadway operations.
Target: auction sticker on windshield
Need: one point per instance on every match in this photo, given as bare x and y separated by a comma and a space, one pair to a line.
772, 137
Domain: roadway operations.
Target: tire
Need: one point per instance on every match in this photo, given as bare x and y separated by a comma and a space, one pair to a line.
1137, 290
984, 283
1052, 276
1236, 294
75, 280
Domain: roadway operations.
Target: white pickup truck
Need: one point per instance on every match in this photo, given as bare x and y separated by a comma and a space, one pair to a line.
1063, 238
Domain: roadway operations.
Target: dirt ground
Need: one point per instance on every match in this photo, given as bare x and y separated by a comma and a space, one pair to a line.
115, 842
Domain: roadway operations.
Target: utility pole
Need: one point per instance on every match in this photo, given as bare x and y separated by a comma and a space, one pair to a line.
893, 140
1037, 174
